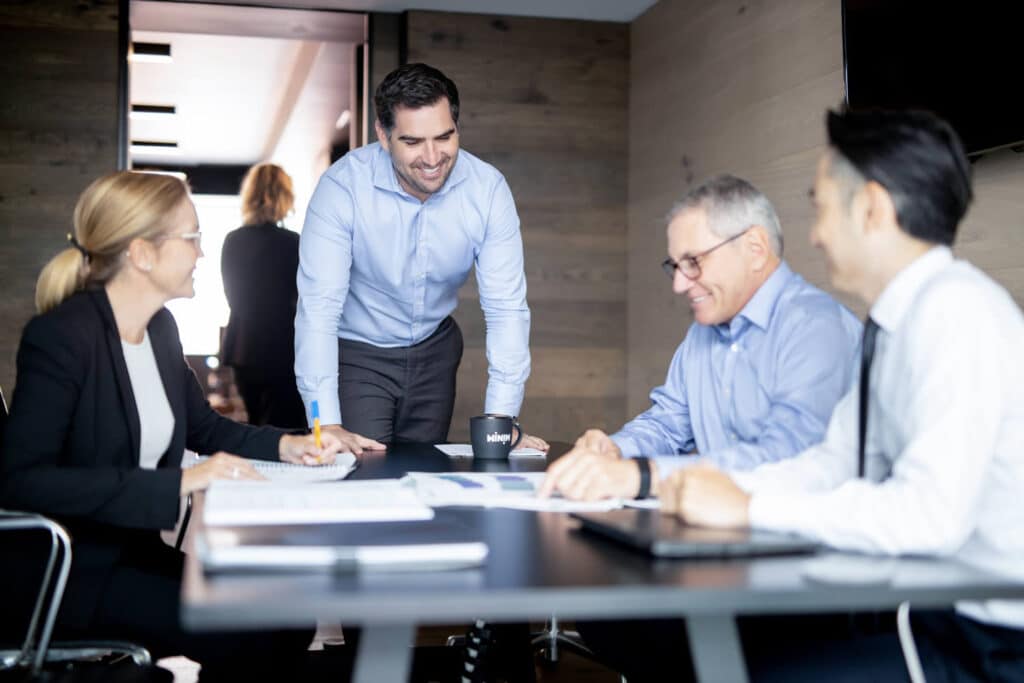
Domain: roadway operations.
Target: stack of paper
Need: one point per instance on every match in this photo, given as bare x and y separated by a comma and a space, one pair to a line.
237, 503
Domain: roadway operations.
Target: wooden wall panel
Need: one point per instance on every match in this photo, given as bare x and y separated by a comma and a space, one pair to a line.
58, 131
545, 101
716, 87
741, 86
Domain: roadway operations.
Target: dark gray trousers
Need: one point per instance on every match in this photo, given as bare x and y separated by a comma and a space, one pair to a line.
401, 394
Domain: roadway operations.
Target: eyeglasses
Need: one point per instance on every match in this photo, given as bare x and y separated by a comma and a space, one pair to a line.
689, 266
196, 238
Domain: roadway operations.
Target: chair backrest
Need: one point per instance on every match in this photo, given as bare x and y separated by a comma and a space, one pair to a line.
3, 415
37, 638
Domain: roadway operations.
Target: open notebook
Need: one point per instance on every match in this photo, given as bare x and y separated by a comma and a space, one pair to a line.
343, 464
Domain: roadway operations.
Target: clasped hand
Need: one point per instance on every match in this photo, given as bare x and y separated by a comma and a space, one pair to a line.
592, 470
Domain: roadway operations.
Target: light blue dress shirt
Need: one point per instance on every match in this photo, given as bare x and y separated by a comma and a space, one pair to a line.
377, 265
758, 389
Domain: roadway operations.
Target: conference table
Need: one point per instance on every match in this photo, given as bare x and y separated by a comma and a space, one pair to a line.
540, 565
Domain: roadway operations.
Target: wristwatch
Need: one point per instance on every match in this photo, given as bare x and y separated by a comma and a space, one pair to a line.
644, 464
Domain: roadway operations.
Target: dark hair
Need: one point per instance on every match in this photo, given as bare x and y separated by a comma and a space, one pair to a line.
917, 157
413, 86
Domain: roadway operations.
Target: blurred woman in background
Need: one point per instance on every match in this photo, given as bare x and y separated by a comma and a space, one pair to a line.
258, 264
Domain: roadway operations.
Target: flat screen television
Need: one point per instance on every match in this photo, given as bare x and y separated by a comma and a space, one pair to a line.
962, 60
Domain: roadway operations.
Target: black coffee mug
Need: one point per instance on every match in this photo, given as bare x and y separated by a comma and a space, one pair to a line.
491, 436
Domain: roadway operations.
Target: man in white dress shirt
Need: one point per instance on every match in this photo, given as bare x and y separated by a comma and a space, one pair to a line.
942, 469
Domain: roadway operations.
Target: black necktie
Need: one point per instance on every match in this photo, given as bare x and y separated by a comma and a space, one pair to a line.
867, 355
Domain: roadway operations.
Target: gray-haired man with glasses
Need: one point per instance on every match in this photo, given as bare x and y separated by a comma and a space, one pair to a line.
759, 371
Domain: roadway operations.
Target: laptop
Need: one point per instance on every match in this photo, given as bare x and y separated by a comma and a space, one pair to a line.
661, 535
428, 545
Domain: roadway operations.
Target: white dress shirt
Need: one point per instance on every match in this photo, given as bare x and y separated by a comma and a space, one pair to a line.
945, 443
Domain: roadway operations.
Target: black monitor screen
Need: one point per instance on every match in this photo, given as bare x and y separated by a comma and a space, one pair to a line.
962, 60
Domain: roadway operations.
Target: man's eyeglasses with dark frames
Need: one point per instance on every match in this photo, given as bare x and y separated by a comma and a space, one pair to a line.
689, 266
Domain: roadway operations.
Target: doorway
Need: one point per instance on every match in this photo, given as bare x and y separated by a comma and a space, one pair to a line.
215, 89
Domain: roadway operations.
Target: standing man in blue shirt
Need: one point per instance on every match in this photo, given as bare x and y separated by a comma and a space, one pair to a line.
756, 376
391, 233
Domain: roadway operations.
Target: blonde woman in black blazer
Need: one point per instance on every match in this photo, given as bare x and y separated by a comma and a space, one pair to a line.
72, 446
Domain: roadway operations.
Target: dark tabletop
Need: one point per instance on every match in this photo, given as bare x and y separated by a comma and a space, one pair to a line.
540, 563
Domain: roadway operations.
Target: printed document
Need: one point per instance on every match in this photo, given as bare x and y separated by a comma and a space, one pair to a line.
517, 490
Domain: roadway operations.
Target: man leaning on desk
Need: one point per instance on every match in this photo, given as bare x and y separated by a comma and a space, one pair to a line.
756, 376
391, 233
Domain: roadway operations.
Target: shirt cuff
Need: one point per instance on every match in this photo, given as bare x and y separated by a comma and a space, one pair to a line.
330, 408
503, 399
746, 480
627, 445
774, 512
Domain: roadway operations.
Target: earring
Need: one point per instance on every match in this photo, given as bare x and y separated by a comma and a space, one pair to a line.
147, 267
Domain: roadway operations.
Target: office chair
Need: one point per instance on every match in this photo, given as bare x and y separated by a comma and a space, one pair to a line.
547, 641
551, 638
36, 650
479, 662
907, 645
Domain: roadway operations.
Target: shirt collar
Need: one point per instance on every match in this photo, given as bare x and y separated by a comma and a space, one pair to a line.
385, 178
758, 311
894, 301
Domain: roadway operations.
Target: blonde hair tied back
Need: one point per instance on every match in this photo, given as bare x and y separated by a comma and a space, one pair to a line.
114, 210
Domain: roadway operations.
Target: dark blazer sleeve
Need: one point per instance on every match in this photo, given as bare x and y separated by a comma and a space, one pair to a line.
230, 267
208, 431
47, 464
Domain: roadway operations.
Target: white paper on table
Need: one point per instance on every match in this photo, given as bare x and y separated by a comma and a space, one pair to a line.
278, 471
236, 503
465, 450
515, 490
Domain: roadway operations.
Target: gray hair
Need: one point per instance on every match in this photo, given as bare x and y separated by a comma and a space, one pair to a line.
732, 205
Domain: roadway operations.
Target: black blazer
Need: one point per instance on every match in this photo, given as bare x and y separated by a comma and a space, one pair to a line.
71, 448
258, 265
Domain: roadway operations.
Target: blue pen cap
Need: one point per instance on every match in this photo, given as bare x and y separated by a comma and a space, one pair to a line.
315, 409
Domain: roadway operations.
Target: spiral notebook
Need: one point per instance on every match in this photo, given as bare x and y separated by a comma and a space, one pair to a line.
343, 464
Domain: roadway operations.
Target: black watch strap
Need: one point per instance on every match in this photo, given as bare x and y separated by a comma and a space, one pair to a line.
644, 466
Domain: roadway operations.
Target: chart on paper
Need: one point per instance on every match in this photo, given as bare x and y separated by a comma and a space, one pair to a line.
517, 490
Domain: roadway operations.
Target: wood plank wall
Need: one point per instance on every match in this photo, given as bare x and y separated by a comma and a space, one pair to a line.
545, 101
741, 86
58, 131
